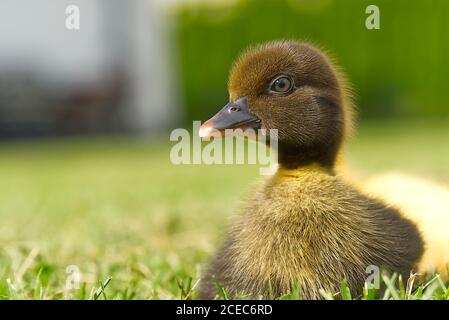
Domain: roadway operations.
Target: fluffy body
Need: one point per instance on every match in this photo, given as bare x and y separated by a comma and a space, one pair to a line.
426, 204
310, 228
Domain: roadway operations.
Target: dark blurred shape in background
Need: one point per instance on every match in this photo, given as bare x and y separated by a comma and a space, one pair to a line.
145, 66
111, 76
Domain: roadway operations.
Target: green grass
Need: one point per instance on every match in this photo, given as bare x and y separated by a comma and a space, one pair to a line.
138, 227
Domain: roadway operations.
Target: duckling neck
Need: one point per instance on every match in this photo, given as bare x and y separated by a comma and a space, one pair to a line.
291, 159
303, 171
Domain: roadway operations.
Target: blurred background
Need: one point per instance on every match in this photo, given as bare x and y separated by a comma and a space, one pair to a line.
85, 175
148, 65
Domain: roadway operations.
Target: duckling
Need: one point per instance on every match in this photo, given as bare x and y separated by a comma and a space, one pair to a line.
305, 225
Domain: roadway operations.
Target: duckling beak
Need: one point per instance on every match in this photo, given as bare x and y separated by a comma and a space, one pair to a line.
234, 115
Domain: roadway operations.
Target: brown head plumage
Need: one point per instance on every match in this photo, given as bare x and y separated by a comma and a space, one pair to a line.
293, 87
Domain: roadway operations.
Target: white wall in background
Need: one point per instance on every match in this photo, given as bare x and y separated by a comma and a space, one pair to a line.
33, 35
128, 34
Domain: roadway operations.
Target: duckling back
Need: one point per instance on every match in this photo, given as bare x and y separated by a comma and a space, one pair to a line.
426, 204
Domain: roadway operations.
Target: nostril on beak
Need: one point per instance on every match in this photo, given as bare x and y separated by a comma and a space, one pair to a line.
234, 109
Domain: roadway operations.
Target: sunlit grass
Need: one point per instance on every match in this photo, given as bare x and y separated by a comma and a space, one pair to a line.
391, 287
138, 227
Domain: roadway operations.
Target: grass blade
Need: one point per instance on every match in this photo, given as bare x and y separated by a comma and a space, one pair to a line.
221, 290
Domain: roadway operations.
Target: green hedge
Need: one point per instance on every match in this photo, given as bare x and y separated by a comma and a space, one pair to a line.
399, 70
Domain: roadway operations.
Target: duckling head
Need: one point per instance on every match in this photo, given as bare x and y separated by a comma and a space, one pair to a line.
293, 87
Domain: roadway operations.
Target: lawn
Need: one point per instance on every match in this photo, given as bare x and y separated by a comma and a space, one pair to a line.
118, 211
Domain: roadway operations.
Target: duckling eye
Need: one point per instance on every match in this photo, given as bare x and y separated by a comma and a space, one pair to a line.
282, 84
